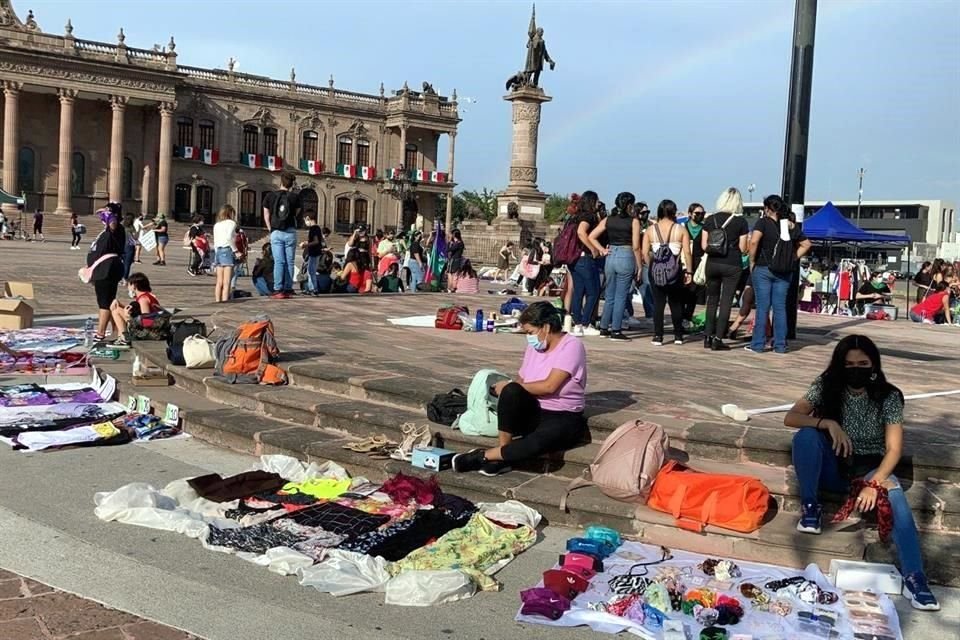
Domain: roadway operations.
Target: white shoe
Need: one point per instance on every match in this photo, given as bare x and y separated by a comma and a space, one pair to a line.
577, 331
567, 324
590, 332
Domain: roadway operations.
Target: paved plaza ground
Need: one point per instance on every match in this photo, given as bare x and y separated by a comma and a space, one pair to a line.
172, 580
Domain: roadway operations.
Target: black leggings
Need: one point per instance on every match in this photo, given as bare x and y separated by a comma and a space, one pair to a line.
76, 239
721, 286
673, 294
535, 431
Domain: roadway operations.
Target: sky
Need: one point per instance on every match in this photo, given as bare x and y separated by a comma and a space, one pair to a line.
668, 99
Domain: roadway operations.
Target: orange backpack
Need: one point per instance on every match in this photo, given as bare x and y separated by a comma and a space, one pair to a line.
697, 499
248, 355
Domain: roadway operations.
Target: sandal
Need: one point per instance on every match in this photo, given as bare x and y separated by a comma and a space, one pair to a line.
367, 444
413, 436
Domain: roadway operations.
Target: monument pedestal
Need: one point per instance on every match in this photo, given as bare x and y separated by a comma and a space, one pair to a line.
522, 188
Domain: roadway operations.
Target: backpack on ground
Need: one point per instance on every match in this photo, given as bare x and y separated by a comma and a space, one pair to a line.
665, 268
445, 408
627, 463
480, 418
247, 355
281, 212
511, 305
449, 317
149, 326
696, 499
566, 248
199, 353
180, 330
717, 239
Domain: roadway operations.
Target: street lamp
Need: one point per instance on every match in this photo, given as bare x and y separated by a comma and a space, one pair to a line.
860, 193
751, 188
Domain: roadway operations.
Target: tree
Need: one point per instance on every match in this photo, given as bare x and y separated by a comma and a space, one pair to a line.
476, 205
556, 208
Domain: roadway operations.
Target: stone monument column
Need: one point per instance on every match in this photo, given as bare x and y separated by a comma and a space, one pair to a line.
522, 188
64, 187
11, 95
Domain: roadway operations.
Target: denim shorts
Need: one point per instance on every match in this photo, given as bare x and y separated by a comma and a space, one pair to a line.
224, 257
163, 239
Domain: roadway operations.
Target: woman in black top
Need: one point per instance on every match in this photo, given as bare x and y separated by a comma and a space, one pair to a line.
163, 237
923, 280
455, 252
622, 231
723, 264
107, 253
584, 272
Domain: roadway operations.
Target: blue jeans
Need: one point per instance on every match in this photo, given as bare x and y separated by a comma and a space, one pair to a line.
284, 245
324, 283
646, 293
586, 282
619, 269
816, 467
770, 290
260, 284
312, 262
128, 254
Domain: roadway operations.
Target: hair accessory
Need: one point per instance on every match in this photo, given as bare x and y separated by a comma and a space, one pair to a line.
780, 607
654, 617
729, 609
619, 605
706, 616
720, 569
543, 602
657, 596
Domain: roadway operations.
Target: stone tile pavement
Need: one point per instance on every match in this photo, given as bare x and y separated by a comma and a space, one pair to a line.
30, 610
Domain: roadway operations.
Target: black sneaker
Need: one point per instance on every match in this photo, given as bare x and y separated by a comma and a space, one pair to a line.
810, 519
677, 339
604, 333
657, 341
469, 461
618, 335
718, 345
493, 468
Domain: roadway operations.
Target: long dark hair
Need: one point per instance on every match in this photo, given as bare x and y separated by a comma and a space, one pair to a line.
776, 204
667, 209
833, 383
623, 203
587, 205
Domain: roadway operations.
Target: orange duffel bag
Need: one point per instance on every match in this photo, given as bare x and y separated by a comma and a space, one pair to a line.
697, 499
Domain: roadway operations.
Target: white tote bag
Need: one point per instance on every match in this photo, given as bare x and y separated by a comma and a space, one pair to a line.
198, 353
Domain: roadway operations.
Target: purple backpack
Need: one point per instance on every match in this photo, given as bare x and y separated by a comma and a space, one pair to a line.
665, 268
567, 248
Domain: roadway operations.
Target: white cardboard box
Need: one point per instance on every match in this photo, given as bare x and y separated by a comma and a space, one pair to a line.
866, 576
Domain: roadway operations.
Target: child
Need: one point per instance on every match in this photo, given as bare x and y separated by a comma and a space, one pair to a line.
391, 282
199, 246
225, 251
144, 303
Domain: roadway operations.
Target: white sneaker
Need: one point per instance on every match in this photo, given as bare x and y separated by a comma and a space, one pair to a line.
567, 324
590, 332
577, 331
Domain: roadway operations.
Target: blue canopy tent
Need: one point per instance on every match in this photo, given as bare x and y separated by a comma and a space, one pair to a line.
830, 226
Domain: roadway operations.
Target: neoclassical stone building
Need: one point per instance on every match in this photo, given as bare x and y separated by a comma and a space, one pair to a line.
86, 122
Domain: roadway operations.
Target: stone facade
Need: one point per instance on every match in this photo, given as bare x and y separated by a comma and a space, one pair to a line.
86, 122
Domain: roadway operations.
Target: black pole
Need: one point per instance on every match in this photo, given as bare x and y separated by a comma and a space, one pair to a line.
798, 130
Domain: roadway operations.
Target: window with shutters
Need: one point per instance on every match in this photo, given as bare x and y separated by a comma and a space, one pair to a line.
344, 150
206, 134
363, 153
251, 139
270, 141
310, 149
184, 132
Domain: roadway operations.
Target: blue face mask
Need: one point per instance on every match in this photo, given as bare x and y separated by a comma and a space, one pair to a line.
536, 343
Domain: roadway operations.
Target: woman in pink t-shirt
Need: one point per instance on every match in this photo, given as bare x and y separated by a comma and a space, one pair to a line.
542, 410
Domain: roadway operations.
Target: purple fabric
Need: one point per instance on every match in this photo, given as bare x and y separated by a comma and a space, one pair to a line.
539, 601
33, 395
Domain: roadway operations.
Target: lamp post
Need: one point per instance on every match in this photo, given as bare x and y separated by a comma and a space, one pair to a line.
751, 188
859, 193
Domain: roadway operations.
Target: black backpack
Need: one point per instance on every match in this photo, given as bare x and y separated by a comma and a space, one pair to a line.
447, 407
665, 268
717, 239
784, 256
281, 211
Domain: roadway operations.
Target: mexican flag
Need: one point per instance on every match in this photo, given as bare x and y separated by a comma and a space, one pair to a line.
368, 173
438, 176
393, 174
211, 156
188, 153
273, 163
251, 160
313, 167
438, 257
347, 170
421, 175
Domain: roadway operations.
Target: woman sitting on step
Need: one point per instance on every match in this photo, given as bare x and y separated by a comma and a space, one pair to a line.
542, 410
851, 432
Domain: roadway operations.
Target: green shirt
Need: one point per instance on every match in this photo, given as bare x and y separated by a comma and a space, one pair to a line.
863, 420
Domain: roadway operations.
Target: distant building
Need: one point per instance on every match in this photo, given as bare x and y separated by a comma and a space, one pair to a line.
87, 122
931, 224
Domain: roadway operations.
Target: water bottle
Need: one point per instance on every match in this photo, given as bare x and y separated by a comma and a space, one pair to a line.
490, 325
88, 329
479, 323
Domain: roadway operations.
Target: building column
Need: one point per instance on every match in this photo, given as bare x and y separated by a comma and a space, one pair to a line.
145, 190
193, 198
64, 168
166, 157
11, 95
450, 156
115, 183
406, 170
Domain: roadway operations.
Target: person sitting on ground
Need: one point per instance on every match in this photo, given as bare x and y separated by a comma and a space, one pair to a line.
391, 282
542, 410
935, 308
144, 303
850, 425
356, 273
466, 281
262, 273
389, 253
874, 291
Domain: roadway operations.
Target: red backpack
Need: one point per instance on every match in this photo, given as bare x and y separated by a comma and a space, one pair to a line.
567, 247
449, 317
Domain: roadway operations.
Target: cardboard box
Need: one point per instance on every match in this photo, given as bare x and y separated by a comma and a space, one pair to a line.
432, 458
15, 314
851, 575
18, 290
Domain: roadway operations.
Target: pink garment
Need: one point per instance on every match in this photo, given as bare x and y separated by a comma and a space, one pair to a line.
467, 285
384, 265
403, 489
569, 356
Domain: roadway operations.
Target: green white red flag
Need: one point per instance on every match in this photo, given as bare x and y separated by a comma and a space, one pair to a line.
211, 156
273, 163
347, 170
368, 173
313, 167
251, 160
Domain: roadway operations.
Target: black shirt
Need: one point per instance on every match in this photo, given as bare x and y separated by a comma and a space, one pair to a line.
592, 222
771, 233
416, 251
734, 229
293, 199
195, 230
620, 230
161, 229
314, 235
455, 256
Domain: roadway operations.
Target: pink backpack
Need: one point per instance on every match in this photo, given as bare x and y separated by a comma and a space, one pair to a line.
627, 464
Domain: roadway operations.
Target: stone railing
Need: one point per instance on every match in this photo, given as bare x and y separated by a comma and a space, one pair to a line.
147, 55
204, 74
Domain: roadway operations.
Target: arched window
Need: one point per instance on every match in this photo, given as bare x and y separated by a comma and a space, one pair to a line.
78, 172
360, 211
344, 150
26, 170
251, 139
206, 134
342, 221
410, 157
248, 207
127, 179
184, 131
270, 141
363, 152
310, 149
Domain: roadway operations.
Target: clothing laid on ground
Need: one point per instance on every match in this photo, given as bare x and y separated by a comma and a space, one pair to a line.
535, 430
570, 356
768, 242
862, 419
33, 395
338, 519
38, 440
319, 488
225, 235
426, 526
218, 489
254, 539
403, 488
734, 230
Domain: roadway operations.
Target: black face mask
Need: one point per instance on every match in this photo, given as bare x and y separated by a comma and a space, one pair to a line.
698, 218
857, 377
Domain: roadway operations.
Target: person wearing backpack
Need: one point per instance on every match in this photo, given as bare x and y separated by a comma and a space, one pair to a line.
775, 248
723, 240
666, 248
280, 212
541, 411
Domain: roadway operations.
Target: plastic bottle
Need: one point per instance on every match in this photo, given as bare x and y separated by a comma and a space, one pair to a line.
88, 329
490, 325
479, 323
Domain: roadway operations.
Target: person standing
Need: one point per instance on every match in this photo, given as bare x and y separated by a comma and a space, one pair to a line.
76, 232
923, 280
622, 253
161, 231
723, 240
138, 227
106, 258
38, 225
280, 212
643, 274
455, 253
696, 294
225, 252
417, 261
772, 271
314, 247
586, 276
664, 236
504, 256
130, 250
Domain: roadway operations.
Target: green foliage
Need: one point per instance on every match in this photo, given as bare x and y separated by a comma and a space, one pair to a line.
556, 207
475, 205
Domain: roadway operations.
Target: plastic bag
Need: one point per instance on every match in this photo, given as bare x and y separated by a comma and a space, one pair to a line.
345, 572
426, 588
